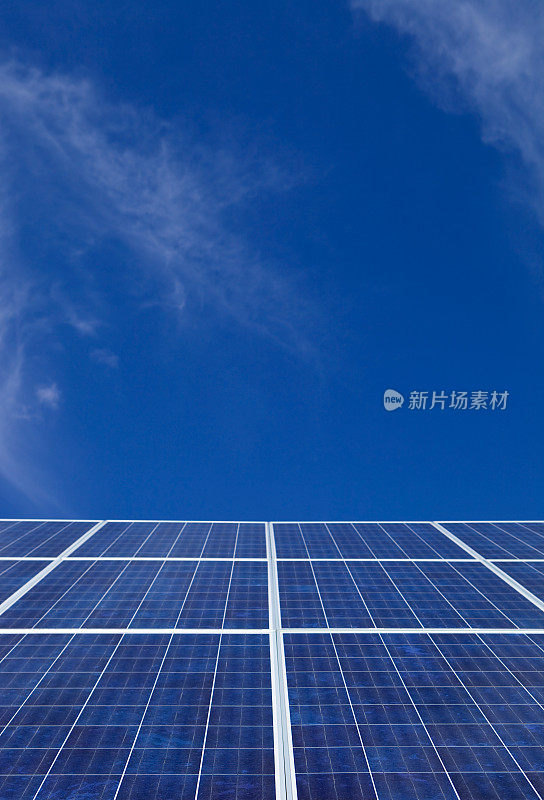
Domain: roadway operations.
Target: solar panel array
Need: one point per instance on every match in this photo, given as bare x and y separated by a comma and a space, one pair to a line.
204, 660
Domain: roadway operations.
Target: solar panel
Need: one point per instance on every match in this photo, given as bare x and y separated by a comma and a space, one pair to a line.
372, 661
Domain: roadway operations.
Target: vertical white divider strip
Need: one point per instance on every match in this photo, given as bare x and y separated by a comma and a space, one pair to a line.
26, 587
491, 566
286, 786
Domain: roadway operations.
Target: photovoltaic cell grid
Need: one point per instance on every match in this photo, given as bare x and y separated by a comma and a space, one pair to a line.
412, 662
136, 717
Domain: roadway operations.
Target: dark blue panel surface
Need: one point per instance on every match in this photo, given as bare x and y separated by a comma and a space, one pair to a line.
529, 574
14, 574
501, 539
428, 594
145, 594
136, 717
299, 598
251, 540
43, 538
126, 539
289, 541
413, 716
363, 540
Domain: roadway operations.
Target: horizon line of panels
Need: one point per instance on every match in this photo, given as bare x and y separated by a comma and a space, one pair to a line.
49, 538
321, 594
137, 717
496, 540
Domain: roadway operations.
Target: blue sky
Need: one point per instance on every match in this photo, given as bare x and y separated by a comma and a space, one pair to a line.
227, 228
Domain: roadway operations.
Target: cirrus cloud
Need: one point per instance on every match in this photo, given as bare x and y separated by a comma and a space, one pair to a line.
81, 174
485, 56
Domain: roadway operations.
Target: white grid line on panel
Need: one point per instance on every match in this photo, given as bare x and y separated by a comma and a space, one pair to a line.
26, 587
263, 631
293, 522
400, 521
27, 558
284, 760
165, 558
372, 560
493, 567
245, 558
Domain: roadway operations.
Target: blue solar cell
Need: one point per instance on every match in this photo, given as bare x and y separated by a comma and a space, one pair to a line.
143, 716
14, 574
396, 594
154, 594
501, 539
405, 720
299, 598
251, 541
177, 540
363, 540
46, 539
126, 539
289, 541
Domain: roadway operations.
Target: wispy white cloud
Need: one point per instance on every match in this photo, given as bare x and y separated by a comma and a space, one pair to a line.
80, 174
126, 175
105, 357
49, 395
486, 56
